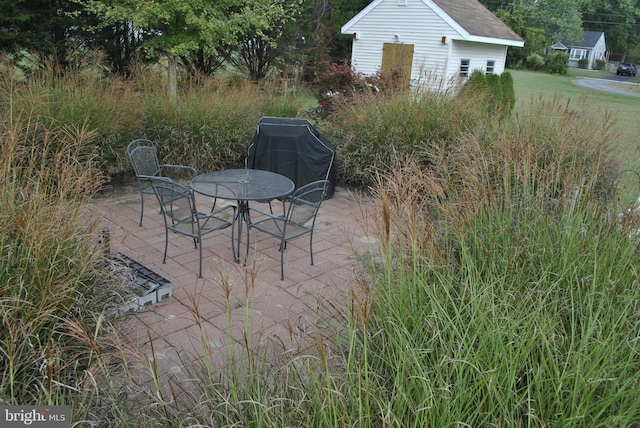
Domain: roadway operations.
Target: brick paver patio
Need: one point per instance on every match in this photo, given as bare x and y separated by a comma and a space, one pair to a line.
233, 303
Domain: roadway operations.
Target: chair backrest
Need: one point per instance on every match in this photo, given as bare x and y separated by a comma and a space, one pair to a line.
305, 202
144, 157
177, 202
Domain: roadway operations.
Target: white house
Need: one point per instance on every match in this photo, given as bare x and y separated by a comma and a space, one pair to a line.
591, 46
429, 43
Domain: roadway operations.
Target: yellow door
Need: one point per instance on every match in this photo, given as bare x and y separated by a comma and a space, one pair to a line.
396, 63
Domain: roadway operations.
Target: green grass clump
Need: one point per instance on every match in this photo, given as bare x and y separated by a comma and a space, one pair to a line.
213, 127
531, 85
84, 97
504, 294
518, 319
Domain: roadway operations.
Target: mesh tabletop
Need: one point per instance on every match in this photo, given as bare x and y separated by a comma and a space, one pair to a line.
242, 184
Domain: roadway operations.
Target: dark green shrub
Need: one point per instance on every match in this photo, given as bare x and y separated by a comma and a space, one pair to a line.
557, 63
583, 63
494, 84
477, 82
508, 91
535, 62
600, 64
496, 91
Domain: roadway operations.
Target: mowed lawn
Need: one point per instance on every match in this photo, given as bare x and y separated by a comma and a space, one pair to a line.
626, 109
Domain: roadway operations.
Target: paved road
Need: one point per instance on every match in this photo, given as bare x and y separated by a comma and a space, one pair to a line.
614, 84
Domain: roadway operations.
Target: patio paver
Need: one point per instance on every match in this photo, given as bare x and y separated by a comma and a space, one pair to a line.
246, 302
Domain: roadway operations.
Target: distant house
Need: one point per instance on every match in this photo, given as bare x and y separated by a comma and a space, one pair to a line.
591, 46
429, 43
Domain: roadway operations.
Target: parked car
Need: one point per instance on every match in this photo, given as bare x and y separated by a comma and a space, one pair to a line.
626, 68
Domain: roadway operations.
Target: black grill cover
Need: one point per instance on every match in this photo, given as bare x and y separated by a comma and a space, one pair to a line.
293, 148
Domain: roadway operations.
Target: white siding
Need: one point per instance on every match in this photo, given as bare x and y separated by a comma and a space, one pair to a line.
414, 24
592, 54
599, 51
479, 54
435, 64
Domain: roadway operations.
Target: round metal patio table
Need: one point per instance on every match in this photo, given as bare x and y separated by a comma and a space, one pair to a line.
242, 186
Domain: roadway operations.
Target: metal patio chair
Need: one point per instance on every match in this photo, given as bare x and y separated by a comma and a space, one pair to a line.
144, 159
181, 216
301, 210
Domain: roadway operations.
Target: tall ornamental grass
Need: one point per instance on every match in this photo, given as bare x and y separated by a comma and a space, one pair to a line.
515, 319
212, 122
80, 96
209, 125
370, 130
504, 294
209, 128
52, 293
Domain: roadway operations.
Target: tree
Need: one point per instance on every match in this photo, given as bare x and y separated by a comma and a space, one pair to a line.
619, 20
560, 19
534, 37
320, 23
38, 25
635, 53
539, 22
205, 63
259, 50
183, 27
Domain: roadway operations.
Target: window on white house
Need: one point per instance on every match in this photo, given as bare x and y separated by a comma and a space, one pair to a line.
578, 54
491, 66
464, 67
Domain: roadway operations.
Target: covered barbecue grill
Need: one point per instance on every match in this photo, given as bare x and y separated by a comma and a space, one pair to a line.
293, 148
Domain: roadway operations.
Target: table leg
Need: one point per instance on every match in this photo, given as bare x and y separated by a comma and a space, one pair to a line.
243, 217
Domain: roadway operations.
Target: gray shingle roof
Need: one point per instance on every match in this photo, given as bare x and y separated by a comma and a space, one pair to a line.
589, 40
477, 19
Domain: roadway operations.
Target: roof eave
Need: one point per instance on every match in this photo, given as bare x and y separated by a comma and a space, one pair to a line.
346, 28
494, 41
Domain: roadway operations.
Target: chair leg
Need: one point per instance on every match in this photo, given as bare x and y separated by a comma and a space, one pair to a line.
233, 239
246, 254
141, 206
166, 244
282, 245
200, 265
311, 246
